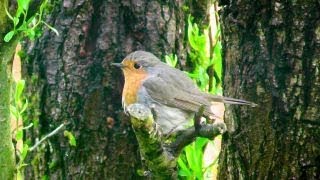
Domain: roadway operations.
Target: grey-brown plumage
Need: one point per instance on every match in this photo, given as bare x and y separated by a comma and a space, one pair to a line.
169, 91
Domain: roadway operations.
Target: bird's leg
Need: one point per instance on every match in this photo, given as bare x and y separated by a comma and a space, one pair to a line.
153, 111
197, 119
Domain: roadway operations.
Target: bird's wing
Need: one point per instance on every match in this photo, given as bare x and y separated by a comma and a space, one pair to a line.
170, 94
182, 81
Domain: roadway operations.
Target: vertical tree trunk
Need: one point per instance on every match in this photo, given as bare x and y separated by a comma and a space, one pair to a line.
7, 154
76, 85
272, 57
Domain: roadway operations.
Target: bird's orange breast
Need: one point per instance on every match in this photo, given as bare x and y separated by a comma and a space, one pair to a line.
133, 82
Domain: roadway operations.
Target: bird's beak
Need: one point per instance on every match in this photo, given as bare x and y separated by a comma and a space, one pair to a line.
120, 65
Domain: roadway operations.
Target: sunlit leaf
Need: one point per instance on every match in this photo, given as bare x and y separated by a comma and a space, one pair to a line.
14, 111
24, 107
19, 89
24, 152
24, 4
70, 136
19, 135
8, 36
183, 168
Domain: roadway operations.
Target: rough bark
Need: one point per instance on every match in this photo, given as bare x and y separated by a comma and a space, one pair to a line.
272, 57
71, 78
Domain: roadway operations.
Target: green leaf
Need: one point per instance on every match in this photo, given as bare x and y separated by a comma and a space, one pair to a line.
24, 153
45, 177
218, 59
141, 172
183, 168
72, 139
35, 122
8, 36
24, 106
15, 21
19, 89
191, 159
171, 60
14, 111
19, 135
24, 4
19, 175
31, 34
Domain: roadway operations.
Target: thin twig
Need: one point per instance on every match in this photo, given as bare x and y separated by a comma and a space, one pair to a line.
27, 127
46, 137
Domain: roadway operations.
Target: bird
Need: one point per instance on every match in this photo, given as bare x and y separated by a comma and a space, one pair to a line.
173, 96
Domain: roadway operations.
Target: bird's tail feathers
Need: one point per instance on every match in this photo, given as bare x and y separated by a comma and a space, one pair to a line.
228, 100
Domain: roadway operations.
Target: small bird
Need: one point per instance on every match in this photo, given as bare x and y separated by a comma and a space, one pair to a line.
173, 96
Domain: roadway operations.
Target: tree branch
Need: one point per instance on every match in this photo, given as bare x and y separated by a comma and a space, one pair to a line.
160, 161
46, 137
159, 156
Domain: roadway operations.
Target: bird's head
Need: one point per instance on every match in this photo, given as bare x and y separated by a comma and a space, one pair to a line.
137, 62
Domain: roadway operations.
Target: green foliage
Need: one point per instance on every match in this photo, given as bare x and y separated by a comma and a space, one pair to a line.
70, 136
171, 60
190, 161
17, 108
30, 26
202, 59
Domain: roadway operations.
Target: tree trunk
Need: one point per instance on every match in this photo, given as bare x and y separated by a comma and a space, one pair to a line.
7, 49
71, 78
272, 57
7, 155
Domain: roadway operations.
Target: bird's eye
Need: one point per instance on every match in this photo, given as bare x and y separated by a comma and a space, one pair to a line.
137, 66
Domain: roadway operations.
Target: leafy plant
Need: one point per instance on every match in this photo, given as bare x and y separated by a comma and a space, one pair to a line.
28, 27
17, 108
190, 162
201, 57
171, 60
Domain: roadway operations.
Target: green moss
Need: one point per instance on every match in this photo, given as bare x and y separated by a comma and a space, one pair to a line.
3, 17
7, 156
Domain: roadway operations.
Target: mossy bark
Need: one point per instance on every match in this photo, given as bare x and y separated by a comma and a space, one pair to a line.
7, 154
160, 152
272, 57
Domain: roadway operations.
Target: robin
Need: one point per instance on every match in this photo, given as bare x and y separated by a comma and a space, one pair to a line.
173, 96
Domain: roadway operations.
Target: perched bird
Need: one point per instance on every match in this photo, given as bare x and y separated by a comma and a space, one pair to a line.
173, 96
